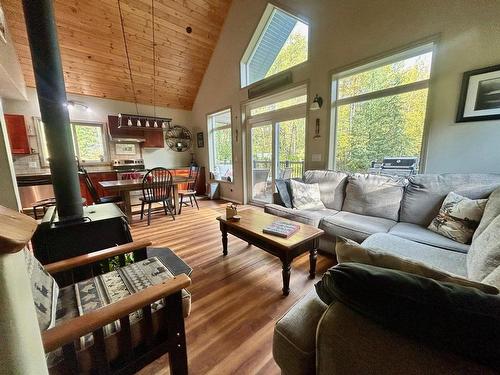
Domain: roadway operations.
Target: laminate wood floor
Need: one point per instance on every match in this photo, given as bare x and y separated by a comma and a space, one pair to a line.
236, 300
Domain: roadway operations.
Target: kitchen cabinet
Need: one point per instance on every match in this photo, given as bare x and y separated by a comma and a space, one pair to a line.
154, 139
18, 136
96, 177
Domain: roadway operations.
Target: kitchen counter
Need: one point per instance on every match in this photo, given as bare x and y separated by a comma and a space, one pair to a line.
90, 170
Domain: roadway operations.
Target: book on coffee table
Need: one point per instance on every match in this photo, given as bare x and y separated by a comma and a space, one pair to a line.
282, 229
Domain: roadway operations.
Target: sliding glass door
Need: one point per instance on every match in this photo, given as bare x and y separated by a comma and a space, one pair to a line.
262, 162
276, 130
277, 151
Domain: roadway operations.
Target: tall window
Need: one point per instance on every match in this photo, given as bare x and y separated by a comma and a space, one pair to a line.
220, 143
88, 139
280, 42
379, 110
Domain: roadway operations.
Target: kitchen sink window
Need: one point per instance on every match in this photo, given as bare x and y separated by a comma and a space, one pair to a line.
89, 140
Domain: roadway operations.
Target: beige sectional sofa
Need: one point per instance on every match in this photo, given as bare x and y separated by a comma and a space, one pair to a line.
358, 206
389, 214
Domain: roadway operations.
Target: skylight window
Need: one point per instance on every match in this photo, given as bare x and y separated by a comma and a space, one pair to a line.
280, 42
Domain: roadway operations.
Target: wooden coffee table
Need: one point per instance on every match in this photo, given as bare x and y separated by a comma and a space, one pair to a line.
249, 229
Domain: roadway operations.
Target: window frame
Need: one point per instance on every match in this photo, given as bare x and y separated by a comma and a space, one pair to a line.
42, 142
211, 140
409, 51
257, 37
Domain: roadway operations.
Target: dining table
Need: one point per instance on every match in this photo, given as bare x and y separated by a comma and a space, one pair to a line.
124, 187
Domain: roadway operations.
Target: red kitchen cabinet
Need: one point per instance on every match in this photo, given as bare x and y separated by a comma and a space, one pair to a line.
18, 137
154, 138
96, 177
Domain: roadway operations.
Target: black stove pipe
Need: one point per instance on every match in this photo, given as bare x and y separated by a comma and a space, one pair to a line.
46, 58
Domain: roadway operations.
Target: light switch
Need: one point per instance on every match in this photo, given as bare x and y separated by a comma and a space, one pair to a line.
316, 157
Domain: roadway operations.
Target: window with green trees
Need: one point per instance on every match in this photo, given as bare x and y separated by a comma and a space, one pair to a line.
220, 145
379, 110
279, 42
88, 140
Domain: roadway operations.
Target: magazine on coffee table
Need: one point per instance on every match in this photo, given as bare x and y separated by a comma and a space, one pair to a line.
283, 229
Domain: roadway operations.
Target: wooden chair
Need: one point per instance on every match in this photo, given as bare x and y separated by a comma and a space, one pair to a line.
191, 190
124, 351
95, 195
156, 188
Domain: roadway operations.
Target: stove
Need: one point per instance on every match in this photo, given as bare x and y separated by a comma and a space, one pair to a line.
128, 165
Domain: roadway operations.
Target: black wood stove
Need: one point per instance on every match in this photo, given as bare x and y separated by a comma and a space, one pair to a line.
102, 226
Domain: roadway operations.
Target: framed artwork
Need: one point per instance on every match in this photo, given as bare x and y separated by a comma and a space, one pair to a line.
2, 26
480, 95
199, 140
125, 149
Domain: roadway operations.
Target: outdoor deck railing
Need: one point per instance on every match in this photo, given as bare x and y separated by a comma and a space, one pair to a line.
297, 167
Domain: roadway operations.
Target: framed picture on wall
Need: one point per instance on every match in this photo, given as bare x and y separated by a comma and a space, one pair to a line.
125, 149
3, 26
199, 140
480, 95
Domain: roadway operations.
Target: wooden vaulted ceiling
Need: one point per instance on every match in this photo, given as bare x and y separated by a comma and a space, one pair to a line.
93, 51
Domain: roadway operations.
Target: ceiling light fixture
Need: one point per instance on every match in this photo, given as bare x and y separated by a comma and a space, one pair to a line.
141, 121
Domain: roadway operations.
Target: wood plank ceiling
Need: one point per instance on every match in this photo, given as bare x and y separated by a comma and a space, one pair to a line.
93, 51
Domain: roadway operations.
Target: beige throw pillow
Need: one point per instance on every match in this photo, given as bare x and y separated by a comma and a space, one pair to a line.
350, 251
306, 196
458, 217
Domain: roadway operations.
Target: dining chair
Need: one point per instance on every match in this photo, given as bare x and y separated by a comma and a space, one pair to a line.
95, 195
156, 188
191, 189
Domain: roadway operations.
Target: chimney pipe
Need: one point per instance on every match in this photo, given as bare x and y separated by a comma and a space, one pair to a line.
46, 58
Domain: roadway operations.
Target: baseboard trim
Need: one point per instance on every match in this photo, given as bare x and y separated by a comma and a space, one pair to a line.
230, 200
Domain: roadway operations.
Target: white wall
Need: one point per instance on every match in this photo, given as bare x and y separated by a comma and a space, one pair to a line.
11, 76
346, 32
99, 111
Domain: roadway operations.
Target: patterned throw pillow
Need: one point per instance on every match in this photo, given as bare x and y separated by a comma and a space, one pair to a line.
45, 291
458, 217
306, 196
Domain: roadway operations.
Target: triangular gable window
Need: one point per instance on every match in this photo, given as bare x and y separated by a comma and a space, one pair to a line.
280, 42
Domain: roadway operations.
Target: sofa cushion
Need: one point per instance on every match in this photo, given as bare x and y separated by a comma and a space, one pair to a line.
349, 251
284, 191
310, 217
444, 315
374, 195
294, 341
449, 261
458, 217
423, 235
484, 253
425, 193
306, 196
44, 289
331, 185
493, 278
491, 211
354, 226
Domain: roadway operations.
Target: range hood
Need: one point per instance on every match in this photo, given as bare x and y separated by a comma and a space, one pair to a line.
126, 140
123, 135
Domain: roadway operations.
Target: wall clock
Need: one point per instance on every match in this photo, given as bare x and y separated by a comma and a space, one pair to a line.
178, 138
